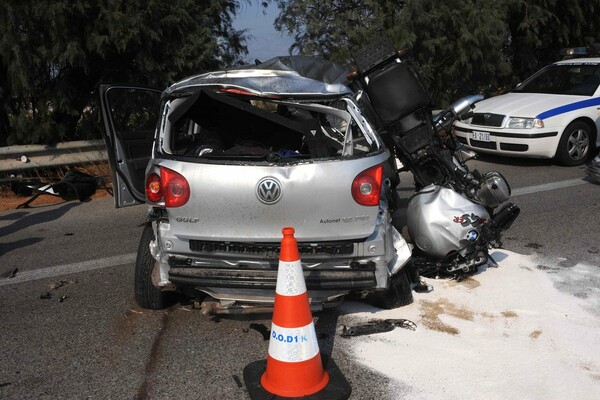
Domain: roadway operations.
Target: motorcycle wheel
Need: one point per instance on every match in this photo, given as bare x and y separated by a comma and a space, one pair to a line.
398, 294
147, 294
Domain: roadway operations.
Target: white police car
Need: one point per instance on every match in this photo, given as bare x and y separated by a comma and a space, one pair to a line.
555, 113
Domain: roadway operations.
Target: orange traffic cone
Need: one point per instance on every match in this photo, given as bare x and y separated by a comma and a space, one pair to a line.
294, 367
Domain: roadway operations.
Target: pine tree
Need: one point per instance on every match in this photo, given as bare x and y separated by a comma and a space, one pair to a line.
459, 47
54, 54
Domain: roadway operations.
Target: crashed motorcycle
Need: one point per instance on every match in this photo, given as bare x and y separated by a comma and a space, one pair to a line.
456, 215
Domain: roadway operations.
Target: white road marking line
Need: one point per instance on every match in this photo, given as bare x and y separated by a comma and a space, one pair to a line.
50, 272
42, 273
548, 186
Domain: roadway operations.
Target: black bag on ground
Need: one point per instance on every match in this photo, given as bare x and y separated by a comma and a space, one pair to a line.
76, 185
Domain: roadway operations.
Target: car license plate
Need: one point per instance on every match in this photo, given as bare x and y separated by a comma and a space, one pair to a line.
482, 136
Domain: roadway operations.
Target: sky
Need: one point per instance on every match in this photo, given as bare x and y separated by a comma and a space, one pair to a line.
264, 42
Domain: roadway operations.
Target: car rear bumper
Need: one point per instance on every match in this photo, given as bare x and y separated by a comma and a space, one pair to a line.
255, 284
541, 144
246, 272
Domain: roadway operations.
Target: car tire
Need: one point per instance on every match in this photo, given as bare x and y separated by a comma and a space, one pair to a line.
147, 294
575, 144
398, 294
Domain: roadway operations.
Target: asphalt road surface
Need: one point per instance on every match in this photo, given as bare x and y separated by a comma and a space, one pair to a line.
71, 329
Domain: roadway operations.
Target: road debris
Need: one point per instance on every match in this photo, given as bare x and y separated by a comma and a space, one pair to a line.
377, 326
237, 380
403, 323
12, 273
61, 283
46, 296
63, 298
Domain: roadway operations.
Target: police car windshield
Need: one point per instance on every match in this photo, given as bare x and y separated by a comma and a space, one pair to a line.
571, 79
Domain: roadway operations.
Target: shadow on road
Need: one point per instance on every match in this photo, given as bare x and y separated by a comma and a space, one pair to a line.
23, 220
518, 162
6, 247
13, 216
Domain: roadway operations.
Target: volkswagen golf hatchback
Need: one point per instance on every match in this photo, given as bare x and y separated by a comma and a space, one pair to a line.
225, 160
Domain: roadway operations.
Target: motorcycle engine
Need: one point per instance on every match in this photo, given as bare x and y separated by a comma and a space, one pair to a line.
440, 221
493, 190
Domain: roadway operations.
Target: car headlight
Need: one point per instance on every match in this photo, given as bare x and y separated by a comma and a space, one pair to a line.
524, 123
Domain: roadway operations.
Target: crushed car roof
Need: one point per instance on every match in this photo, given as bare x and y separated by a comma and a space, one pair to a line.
291, 76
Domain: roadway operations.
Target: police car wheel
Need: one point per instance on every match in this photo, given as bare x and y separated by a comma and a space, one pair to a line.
147, 295
575, 143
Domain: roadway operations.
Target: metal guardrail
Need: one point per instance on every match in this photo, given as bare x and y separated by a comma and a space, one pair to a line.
19, 158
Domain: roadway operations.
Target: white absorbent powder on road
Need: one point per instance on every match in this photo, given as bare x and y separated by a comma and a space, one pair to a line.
504, 333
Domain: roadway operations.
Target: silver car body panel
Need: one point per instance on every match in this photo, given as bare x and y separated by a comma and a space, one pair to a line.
369, 266
264, 83
315, 198
440, 221
280, 76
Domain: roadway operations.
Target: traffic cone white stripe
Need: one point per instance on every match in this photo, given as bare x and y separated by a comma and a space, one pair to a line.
293, 344
290, 279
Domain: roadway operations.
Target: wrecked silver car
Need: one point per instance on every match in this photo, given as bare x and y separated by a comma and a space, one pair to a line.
225, 160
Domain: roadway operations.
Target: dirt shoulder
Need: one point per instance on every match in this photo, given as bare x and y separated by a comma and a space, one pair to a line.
10, 201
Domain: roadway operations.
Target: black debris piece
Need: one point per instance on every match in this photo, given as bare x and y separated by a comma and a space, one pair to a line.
46, 296
377, 326
369, 328
63, 298
403, 323
422, 287
237, 380
12, 273
59, 284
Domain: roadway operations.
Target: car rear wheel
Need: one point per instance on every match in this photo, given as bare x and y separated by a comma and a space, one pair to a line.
147, 294
575, 144
398, 294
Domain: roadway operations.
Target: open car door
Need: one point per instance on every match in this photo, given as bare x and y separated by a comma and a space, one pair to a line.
130, 117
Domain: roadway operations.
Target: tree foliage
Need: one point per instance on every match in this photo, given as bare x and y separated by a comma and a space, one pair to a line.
459, 46
54, 54
540, 28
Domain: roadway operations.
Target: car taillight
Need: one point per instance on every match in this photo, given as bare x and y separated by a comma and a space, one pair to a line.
153, 188
176, 189
366, 187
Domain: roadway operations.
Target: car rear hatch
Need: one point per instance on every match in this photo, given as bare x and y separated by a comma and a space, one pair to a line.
233, 202
254, 167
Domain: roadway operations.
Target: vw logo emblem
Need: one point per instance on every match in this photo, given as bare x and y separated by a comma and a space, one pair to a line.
268, 190
486, 116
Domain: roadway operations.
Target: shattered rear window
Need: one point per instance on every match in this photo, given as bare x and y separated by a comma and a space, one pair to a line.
212, 125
